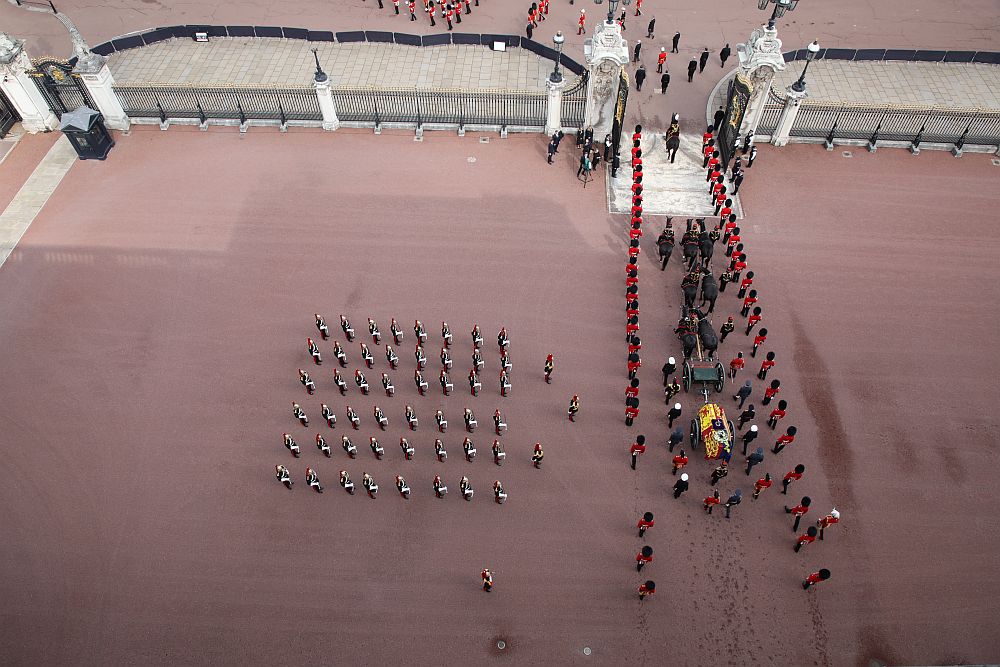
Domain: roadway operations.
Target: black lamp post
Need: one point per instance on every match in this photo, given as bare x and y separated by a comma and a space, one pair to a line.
811, 51
558, 39
320, 75
780, 7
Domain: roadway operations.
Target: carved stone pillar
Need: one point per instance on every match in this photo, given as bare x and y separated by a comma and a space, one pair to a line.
606, 54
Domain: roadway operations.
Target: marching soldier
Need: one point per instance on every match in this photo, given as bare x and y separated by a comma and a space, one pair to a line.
418, 378
314, 351
348, 329
307, 382
631, 410
712, 501
821, 575
470, 449
446, 334
441, 421
352, 417
504, 383
505, 360
373, 330
331, 419
487, 575
338, 352
418, 332
644, 556
440, 451
470, 420
324, 331
761, 484
777, 414
376, 448
681, 485
411, 418
404, 444
799, 511
498, 493
679, 462
418, 354
474, 384
383, 421
349, 447
477, 360
745, 284
502, 339
637, 448
574, 407
322, 445
299, 414
758, 340
752, 321
768, 362
830, 519
445, 358
285, 477
391, 357
292, 446
807, 537
397, 333
793, 475
339, 381
676, 438
537, 455
477, 337
668, 370
771, 391
465, 486
645, 523
446, 385
439, 489
402, 487
672, 414
632, 390
387, 384
498, 423
361, 381
646, 589
498, 453
749, 437
721, 471
345, 481
367, 356
727, 327
371, 487
312, 479
786, 439
748, 301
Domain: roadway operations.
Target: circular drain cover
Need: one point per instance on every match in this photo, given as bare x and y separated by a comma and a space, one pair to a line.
586, 650
470, 159
501, 644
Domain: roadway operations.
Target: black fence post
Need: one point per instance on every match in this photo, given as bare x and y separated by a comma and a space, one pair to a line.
281, 109
873, 140
957, 150
243, 116
915, 144
829, 137
163, 115
201, 112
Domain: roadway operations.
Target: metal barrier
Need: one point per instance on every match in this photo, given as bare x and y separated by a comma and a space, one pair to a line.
229, 102
443, 106
574, 103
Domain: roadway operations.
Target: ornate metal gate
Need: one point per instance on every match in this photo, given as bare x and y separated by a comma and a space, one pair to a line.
616, 128
62, 89
740, 91
8, 115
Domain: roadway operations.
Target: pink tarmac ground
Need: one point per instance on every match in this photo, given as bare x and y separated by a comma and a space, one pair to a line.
154, 316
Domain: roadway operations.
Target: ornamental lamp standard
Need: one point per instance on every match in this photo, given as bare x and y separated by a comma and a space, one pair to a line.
320, 75
780, 7
558, 39
811, 51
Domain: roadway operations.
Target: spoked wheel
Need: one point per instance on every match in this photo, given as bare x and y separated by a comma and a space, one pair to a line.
688, 376
720, 372
694, 434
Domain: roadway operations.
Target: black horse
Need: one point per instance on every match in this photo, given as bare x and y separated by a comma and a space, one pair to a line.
690, 244
709, 291
706, 247
664, 248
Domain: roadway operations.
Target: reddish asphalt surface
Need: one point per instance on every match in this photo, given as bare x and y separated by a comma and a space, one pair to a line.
154, 316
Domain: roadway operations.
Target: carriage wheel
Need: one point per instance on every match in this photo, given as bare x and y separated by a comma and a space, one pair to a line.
688, 376
693, 440
720, 372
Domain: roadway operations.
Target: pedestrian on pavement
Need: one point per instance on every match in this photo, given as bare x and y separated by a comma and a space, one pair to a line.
724, 54
644, 556
727, 327
807, 537
720, 113
749, 437
640, 76
827, 521
477, 336
584, 164
746, 416
786, 439
754, 459
487, 580
814, 578
645, 523
777, 414
692, 67
285, 477
765, 365
799, 511
702, 61
733, 501
668, 370
712, 501
672, 414
676, 41
743, 393
679, 461
792, 475
647, 588
771, 392
681, 485
551, 150
676, 438
635, 52
649, 28
761, 484
637, 448
720, 471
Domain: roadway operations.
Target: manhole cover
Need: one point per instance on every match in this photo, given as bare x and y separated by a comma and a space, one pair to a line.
847, 154
501, 644
484, 140
996, 163
470, 159
586, 650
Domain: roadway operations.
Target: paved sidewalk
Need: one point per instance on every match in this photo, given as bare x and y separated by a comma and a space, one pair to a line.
677, 189
30, 199
289, 62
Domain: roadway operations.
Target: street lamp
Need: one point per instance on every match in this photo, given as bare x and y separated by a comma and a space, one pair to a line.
320, 75
780, 7
811, 51
558, 39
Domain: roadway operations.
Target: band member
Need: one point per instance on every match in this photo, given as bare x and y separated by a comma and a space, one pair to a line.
446, 385
349, 447
574, 407
502, 339
474, 384
373, 330
504, 383
418, 332
352, 417
307, 382
499, 424
498, 453
397, 333
439, 489
470, 449
498, 493
446, 334
477, 337
376, 448
299, 414
338, 380
470, 420
383, 421
441, 421
348, 329
314, 351
285, 477
324, 331
345, 481
338, 352
387, 384
371, 487
391, 357
411, 418
312, 479
465, 486
505, 360
418, 354
477, 360
487, 575
402, 487
445, 358
292, 446
322, 445
361, 381
367, 356
404, 444
418, 379
331, 419
440, 451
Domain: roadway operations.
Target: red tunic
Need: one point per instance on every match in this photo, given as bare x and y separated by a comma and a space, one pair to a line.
749, 301
777, 413
793, 476
759, 340
662, 58
680, 461
806, 538
762, 484
712, 500
770, 393
737, 363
